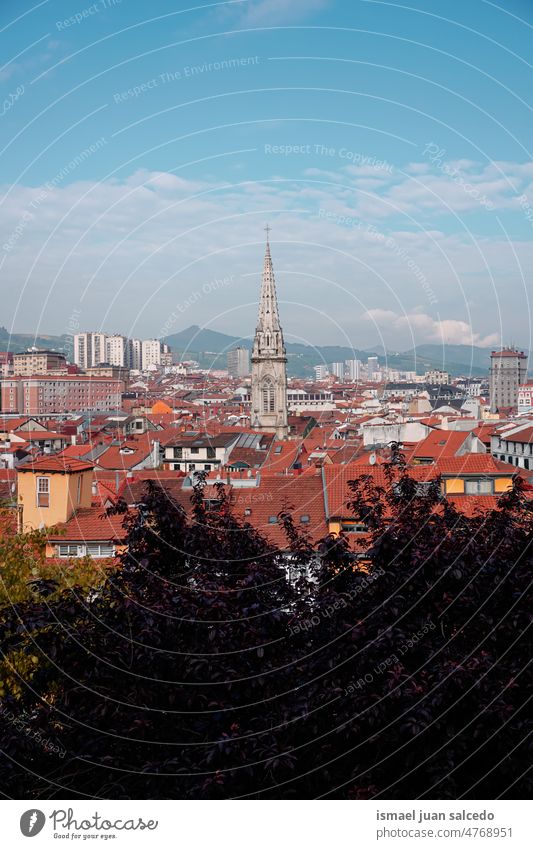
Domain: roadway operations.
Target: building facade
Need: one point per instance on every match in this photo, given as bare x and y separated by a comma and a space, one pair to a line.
60, 394
118, 351
269, 360
508, 371
38, 362
151, 353
136, 361
436, 377
238, 361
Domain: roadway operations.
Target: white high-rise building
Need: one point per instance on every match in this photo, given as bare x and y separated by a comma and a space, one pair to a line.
321, 372
372, 367
83, 350
338, 370
136, 354
151, 353
352, 370
98, 349
238, 360
118, 351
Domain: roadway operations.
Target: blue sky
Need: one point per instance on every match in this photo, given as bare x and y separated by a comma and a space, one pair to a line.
388, 145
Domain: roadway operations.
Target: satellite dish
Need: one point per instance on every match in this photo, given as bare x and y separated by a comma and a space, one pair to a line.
372, 459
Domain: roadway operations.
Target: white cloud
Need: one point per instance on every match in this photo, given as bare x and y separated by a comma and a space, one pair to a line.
272, 12
424, 328
144, 242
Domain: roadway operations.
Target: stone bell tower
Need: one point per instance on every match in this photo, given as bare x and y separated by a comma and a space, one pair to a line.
269, 360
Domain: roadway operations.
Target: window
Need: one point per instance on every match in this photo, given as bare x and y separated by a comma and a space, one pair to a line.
268, 396
304, 519
192, 467
353, 527
479, 487
211, 453
100, 549
207, 467
43, 492
272, 520
176, 467
195, 450
69, 549
79, 490
178, 452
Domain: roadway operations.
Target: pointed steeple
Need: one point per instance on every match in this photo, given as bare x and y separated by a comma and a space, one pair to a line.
269, 360
269, 335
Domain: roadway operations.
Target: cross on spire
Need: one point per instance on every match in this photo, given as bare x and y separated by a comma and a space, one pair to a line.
267, 230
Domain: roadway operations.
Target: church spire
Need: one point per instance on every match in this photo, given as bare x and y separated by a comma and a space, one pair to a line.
269, 371
269, 335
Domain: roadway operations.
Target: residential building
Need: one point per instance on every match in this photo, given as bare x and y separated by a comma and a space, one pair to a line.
118, 351
321, 372
436, 377
352, 370
89, 349
51, 489
106, 370
372, 367
514, 445
98, 348
136, 357
82, 354
238, 360
508, 371
151, 353
197, 452
60, 394
269, 360
38, 362
525, 398
6, 363
337, 369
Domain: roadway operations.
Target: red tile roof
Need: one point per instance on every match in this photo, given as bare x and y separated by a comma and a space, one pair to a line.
440, 443
89, 525
56, 463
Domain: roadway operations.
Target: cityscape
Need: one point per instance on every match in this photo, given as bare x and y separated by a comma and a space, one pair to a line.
266, 420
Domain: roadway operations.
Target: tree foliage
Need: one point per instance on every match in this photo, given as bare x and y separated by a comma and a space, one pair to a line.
199, 670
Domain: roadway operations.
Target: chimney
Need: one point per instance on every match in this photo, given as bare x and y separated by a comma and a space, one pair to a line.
94, 489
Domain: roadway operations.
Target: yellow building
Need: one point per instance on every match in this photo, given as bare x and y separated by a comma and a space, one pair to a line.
51, 490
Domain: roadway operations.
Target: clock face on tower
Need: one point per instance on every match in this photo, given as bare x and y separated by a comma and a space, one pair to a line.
269, 360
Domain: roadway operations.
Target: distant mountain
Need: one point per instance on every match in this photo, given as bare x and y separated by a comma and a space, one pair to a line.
465, 356
196, 339
200, 344
209, 347
19, 342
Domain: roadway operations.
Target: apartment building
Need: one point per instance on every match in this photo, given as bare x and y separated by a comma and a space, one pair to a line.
60, 394
89, 349
238, 362
151, 353
38, 362
136, 360
508, 371
200, 453
118, 351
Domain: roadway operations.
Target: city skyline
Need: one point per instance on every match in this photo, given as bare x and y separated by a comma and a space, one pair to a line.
408, 198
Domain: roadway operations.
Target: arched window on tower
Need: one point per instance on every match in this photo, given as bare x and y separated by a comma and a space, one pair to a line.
268, 396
